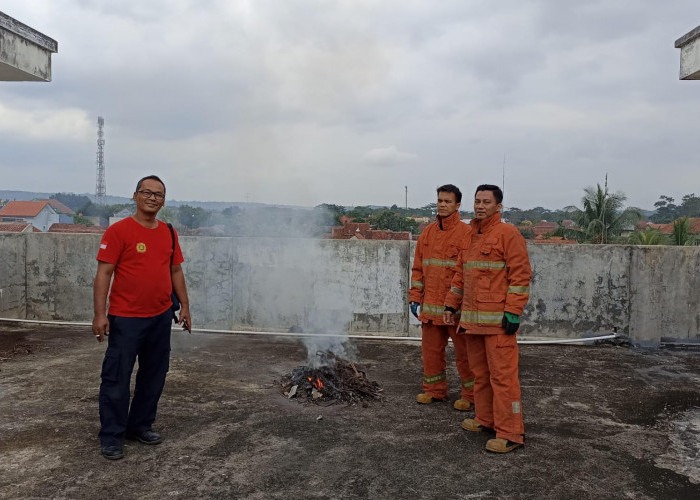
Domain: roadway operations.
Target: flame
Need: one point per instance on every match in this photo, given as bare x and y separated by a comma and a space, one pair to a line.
316, 383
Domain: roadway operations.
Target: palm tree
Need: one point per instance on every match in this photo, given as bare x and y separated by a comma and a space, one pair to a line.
602, 218
681, 233
650, 236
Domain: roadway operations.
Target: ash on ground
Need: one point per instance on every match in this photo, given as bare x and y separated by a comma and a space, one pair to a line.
335, 380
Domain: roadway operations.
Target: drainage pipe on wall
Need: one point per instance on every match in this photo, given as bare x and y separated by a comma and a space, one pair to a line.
351, 336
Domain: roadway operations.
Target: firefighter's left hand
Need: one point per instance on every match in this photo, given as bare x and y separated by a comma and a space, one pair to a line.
511, 322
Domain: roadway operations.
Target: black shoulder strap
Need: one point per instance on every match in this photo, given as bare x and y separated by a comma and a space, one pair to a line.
172, 237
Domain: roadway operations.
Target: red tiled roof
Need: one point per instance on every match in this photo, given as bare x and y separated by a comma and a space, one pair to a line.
76, 228
59, 207
16, 227
22, 208
553, 240
693, 226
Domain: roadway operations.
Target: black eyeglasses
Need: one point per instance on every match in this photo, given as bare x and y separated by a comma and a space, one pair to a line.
148, 194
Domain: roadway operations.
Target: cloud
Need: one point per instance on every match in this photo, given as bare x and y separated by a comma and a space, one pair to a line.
387, 157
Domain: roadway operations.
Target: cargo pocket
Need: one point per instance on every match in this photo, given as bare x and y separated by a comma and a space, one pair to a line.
110, 368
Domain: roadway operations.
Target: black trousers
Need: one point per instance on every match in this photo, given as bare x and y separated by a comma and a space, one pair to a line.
147, 339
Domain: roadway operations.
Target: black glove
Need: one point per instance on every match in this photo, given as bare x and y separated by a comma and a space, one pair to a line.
510, 326
414, 308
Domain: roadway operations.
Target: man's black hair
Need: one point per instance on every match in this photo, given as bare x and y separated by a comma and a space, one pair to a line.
152, 177
497, 193
451, 188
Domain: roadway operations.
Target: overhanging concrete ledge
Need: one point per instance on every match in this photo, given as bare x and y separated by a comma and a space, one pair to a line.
690, 55
25, 54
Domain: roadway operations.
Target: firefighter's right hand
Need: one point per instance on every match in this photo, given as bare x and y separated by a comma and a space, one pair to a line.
448, 316
414, 308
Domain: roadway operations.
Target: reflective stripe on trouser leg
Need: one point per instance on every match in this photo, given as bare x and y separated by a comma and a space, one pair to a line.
433, 346
483, 395
466, 375
502, 355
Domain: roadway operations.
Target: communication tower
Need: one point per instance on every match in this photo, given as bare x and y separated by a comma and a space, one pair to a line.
101, 185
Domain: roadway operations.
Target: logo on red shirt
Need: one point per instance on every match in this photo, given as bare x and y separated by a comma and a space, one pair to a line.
141, 247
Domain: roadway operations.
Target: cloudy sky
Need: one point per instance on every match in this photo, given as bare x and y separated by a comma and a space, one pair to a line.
303, 102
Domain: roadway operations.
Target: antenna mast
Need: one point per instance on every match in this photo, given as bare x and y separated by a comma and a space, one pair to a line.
101, 185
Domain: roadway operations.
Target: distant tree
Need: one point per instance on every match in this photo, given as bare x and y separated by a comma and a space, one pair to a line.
192, 217
602, 218
527, 233
335, 211
650, 236
386, 219
81, 219
666, 210
360, 214
169, 216
73, 201
690, 206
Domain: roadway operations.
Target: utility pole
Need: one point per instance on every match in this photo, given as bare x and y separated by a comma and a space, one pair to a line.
101, 185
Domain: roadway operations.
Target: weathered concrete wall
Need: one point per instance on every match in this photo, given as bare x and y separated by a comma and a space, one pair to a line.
12, 275
665, 292
361, 286
578, 288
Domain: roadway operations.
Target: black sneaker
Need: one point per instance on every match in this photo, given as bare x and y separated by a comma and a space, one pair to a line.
145, 437
112, 452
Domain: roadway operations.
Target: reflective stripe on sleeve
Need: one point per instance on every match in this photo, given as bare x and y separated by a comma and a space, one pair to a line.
519, 289
456, 291
416, 284
484, 264
439, 262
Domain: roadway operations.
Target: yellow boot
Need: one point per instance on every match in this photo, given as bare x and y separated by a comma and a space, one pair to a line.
425, 398
462, 405
471, 425
500, 445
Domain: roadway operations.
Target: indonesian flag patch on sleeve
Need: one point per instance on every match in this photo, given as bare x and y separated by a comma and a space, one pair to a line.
103, 246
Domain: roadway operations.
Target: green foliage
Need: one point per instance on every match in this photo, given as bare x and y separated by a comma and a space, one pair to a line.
386, 219
527, 233
602, 219
517, 216
73, 201
192, 217
667, 211
81, 219
681, 233
650, 236
331, 213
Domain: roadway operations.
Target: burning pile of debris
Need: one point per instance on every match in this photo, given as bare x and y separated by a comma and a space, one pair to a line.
335, 380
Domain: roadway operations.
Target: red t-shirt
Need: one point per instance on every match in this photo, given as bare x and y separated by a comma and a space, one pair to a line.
142, 285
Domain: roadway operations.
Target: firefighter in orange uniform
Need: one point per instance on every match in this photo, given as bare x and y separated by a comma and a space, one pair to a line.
491, 287
433, 268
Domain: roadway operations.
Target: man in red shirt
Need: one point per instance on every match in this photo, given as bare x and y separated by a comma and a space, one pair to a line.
143, 257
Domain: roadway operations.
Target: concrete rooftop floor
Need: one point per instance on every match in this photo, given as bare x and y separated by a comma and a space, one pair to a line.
600, 421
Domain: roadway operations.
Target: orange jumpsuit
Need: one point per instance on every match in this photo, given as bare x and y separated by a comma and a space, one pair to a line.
433, 268
492, 277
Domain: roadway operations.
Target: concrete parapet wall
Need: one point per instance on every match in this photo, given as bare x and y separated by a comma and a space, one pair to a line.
295, 284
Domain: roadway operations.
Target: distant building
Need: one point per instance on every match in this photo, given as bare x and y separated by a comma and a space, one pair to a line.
39, 213
544, 227
693, 226
122, 214
362, 231
17, 227
76, 229
65, 213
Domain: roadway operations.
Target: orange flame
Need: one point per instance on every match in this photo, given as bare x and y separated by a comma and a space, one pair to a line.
316, 383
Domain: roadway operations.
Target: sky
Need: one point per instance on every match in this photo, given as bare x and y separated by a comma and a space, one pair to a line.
357, 102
